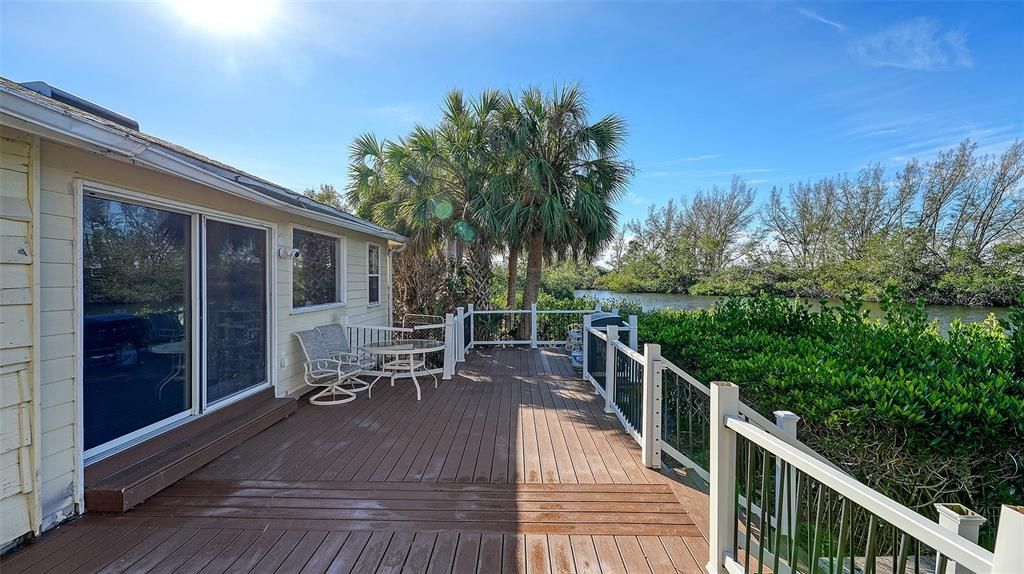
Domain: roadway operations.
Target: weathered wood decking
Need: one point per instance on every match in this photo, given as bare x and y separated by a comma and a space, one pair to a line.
512, 466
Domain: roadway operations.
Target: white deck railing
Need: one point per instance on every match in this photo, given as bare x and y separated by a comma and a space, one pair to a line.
446, 331
795, 511
814, 518
543, 327
776, 504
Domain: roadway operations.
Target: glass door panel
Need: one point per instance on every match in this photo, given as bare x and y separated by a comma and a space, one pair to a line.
137, 304
236, 308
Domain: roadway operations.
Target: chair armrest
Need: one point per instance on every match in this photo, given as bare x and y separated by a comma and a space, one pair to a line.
323, 365
351, 358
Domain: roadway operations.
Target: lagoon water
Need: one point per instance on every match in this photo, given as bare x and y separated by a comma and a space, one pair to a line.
944, 314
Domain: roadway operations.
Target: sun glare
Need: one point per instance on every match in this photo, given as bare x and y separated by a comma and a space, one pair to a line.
228, 16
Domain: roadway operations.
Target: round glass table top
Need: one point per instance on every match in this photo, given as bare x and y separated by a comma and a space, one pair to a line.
406, 346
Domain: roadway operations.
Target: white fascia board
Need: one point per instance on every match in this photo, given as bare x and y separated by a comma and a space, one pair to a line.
58, 124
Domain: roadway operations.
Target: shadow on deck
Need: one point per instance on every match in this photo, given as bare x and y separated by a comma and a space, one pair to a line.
512, 466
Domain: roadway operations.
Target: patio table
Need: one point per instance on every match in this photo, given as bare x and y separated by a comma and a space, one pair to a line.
176, 349
400, 356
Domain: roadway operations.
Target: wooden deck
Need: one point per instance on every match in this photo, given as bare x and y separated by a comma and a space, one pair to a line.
512, 466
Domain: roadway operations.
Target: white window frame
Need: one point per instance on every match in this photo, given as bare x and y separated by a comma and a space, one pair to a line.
83, 187
341, 277
378, 274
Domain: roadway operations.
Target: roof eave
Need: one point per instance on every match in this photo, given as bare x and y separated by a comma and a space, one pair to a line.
76, 129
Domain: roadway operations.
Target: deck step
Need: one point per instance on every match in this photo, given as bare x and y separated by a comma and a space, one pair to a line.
135, 476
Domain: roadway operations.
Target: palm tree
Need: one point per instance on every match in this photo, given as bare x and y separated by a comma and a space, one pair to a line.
433, 185
569, 176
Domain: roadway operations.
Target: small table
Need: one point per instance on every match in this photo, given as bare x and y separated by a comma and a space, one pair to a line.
176, 349
408, 355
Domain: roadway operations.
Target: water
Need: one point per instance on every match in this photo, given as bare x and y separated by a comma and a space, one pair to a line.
944, 314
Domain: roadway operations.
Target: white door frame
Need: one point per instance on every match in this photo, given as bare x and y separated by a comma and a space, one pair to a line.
82, 187
269, 234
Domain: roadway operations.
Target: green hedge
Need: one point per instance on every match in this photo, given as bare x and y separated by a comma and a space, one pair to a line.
922, 417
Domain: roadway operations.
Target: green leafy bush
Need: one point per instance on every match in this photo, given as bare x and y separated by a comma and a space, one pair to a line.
922, 417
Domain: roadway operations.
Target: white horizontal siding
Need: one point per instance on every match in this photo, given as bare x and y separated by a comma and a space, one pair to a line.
18, 255
59, 166
356, 310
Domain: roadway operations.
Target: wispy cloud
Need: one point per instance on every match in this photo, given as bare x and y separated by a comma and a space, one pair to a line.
689, 158
819, 18
921, 44
991, 138
703, 157
709, 174
636, 199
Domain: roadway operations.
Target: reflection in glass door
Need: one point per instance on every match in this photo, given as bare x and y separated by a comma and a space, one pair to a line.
236, 308
136, 279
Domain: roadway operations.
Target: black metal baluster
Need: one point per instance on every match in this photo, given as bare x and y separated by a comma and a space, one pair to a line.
766, 520
750, 497
869, 553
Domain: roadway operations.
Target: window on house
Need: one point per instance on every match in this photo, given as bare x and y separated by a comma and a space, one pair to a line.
373, 272
318, 272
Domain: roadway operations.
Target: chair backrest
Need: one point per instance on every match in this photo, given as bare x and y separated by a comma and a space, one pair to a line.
313, 345
165, 326
334, 338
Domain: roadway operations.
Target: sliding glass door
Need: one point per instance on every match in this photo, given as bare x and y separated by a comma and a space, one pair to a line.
136, 328
146, 272
236, 312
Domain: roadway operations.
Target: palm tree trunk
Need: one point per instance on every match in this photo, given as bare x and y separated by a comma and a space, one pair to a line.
534, 263
479, 269
513, 274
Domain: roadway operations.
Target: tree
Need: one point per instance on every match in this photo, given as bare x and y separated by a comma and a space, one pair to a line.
570, 176
714, 224
433, 186
327, 195
802, 223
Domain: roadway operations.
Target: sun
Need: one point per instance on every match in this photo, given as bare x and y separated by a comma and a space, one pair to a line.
229, 17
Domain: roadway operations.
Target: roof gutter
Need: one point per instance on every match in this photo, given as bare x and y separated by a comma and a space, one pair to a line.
73, 129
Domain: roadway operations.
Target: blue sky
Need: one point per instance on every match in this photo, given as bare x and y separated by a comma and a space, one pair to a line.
776, 92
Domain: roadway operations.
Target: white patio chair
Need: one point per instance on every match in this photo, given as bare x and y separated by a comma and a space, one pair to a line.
323, 371
339, 348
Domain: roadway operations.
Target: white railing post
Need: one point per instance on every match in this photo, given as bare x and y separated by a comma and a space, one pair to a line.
469, 309
786, 422
633, 335
725, 402
597, 307
612, 332
533, 325
1009, 552
460, 335
449, 347
586, 346
965, 523
651, 420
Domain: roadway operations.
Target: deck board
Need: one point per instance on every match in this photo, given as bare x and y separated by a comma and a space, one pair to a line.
512, 466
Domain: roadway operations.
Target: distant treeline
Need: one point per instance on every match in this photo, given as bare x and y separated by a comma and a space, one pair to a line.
949, 231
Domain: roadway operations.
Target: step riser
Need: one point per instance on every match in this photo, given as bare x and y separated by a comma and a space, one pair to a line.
137, 454
122, 497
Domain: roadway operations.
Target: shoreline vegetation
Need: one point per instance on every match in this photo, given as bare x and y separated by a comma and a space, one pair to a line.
949, 231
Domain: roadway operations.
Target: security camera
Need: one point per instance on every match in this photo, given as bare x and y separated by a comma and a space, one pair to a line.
288, 253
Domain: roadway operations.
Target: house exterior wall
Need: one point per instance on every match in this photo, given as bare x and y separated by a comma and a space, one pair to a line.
60, 167
19, 267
